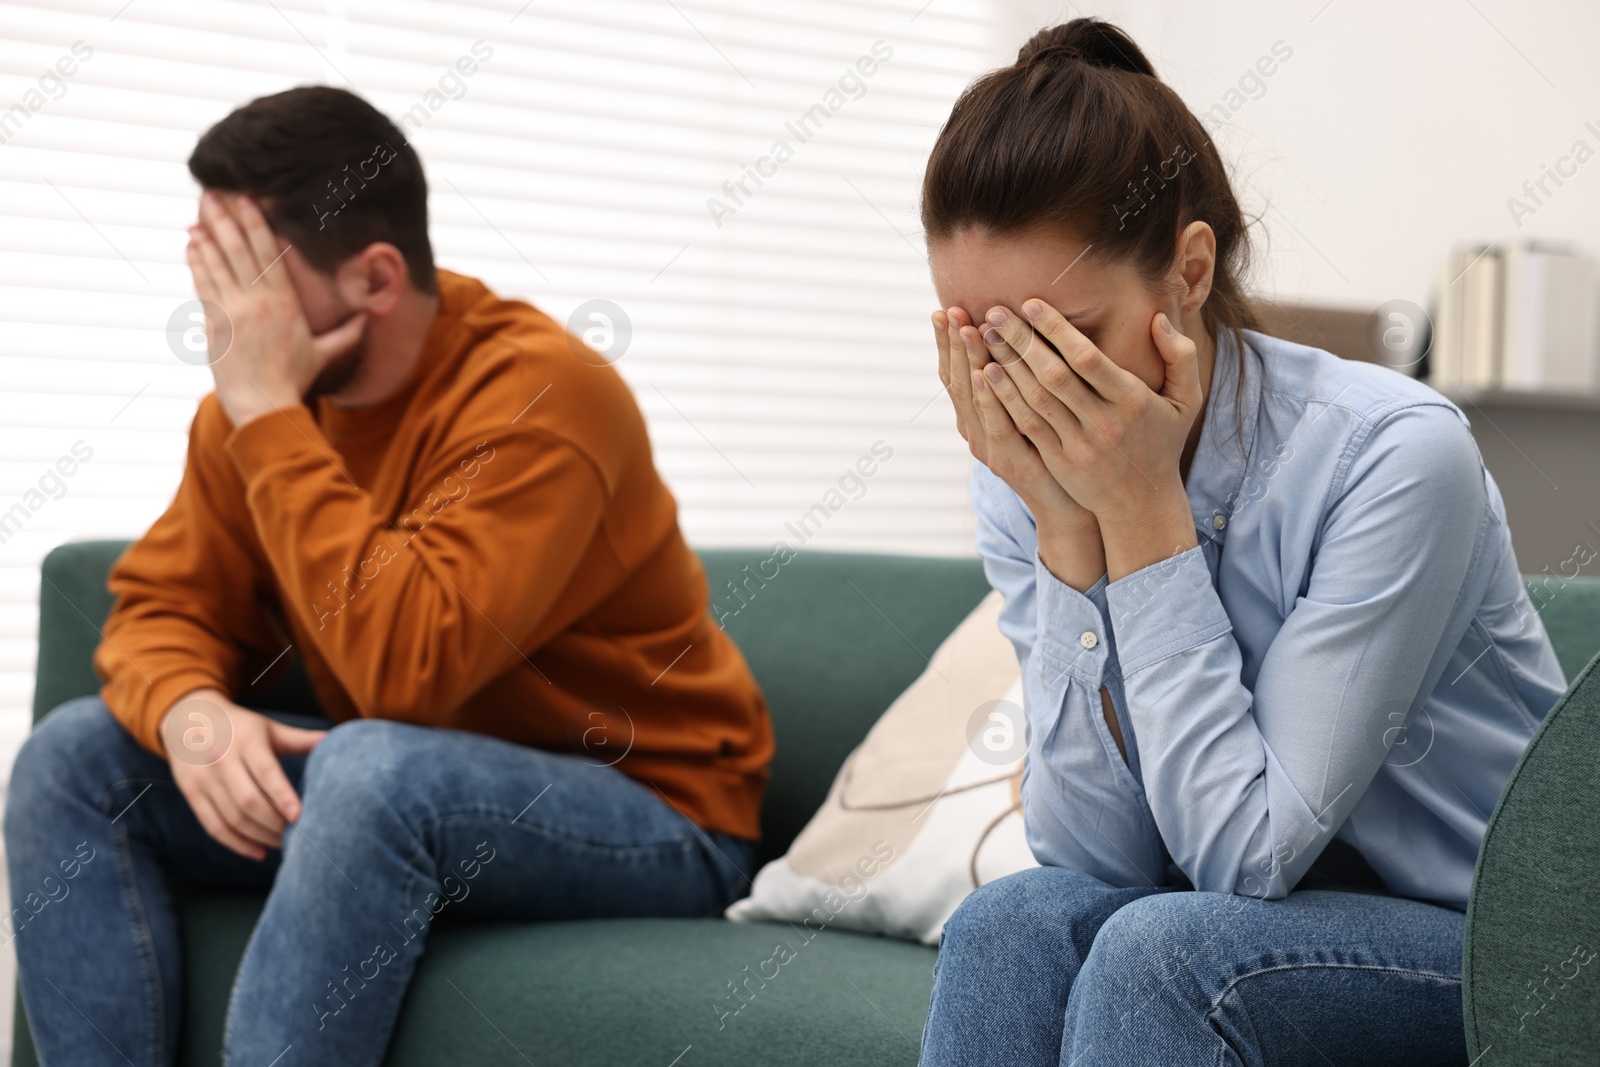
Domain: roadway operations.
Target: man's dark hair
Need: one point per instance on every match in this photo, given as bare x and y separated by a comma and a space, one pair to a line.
331, 172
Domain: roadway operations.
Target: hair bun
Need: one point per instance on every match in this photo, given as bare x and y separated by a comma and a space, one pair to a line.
1090, 41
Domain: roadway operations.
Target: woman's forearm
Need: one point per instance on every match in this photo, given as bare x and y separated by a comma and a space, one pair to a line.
1076, 556
1155, 530
1072, 551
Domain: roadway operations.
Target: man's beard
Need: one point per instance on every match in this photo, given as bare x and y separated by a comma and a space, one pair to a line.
340, 372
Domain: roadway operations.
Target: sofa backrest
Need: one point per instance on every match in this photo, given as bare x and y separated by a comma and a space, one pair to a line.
1570, 611
832, 637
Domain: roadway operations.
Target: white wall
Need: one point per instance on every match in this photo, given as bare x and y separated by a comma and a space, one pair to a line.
574, 160
1395, 129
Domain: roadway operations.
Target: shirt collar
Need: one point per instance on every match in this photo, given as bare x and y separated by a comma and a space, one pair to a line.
1220, 459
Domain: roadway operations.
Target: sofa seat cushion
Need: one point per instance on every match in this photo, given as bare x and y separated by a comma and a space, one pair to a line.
614, 991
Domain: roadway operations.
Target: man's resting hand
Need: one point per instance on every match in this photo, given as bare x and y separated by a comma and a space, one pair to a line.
225, 761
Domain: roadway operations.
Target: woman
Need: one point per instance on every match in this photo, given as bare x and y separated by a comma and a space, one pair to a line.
1277, 658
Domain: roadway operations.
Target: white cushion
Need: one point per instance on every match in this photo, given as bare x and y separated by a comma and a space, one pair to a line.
923, 811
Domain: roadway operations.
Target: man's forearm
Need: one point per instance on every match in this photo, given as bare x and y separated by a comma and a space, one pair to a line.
146, 673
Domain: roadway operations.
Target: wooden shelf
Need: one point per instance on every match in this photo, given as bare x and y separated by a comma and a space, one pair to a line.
1347, 334
1525, 399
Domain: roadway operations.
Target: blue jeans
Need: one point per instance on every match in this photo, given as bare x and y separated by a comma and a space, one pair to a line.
1049, 966
400, 825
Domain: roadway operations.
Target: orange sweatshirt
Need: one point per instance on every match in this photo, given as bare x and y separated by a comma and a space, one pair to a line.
491, 550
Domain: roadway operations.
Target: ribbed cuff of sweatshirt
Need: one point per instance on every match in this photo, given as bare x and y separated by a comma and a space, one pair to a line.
141, 713
282, 438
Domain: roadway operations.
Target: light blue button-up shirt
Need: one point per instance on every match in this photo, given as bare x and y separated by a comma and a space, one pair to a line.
1349, 652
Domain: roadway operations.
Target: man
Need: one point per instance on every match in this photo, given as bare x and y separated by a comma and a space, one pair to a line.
446, 508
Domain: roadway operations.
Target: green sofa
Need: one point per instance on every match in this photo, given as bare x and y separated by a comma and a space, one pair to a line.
833, 638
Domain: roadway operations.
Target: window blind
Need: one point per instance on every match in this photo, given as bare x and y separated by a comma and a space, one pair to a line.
721, 194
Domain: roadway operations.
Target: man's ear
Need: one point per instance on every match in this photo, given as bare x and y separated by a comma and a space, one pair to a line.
1196, 262
375, 279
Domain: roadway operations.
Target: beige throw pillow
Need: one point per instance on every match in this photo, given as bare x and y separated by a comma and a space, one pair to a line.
925, 809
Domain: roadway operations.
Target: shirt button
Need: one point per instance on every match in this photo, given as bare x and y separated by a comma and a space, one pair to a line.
1088, 640
1219, 521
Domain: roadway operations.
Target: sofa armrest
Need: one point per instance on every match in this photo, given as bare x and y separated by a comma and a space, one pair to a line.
73, 605
1531, 966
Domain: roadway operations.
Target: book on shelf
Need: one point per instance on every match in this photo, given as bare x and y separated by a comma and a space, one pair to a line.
1466, 340
1522, 316
1551, 326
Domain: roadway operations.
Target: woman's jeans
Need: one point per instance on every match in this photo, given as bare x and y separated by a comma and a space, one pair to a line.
401, 826
1051, 966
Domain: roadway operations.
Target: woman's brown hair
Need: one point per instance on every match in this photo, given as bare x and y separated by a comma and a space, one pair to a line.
1079, 135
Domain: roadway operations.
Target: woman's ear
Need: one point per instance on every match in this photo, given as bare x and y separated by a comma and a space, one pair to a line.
1196, 262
